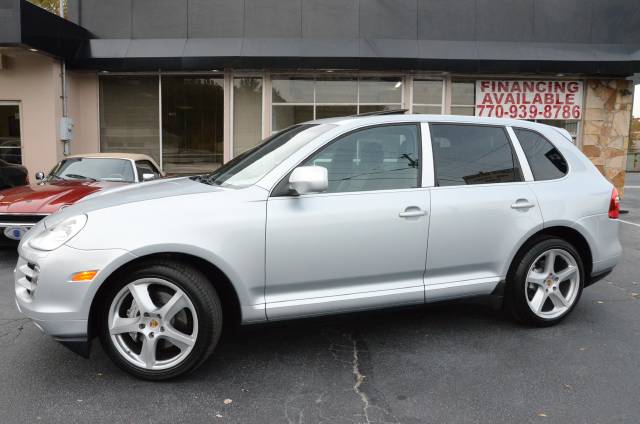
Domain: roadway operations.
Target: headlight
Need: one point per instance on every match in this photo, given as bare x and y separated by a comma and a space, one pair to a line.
59, 234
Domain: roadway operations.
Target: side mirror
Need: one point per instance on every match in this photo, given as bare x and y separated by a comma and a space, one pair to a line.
39, 176
309, 179
148, 177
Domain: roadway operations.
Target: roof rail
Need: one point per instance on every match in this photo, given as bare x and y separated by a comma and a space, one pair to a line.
384, 112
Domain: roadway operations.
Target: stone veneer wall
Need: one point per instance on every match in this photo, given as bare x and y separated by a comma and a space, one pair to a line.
606, 127
633, 161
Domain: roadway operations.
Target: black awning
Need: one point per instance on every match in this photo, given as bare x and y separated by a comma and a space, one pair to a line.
24, 24
365, 54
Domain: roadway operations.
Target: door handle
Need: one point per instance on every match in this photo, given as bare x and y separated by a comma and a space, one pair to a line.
522, 204
412, 212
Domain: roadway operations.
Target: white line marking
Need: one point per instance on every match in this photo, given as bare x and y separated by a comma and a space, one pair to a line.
631, 186
630, 223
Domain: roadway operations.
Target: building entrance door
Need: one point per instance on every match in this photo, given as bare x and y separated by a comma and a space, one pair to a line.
10, 140
192, 124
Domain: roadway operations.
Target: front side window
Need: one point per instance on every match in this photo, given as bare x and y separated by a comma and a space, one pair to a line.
249, 167
545, 160
146, 167
379, 158
98, 169
472, 154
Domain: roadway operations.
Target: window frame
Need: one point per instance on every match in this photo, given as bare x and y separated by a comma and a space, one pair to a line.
280, 188
17, 103
524, 155
516, 154
153, 167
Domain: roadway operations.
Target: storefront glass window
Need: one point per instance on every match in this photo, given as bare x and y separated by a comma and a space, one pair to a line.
285, 115
337, 91
192, 124
569, 125
247, 113
296, 100
129, 117
292, 90
463, 98
10, 133
427, 96
381, 91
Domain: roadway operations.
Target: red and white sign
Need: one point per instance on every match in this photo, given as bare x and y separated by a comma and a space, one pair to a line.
526, 99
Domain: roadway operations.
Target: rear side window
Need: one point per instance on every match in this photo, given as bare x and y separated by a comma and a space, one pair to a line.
545, 160
472, 154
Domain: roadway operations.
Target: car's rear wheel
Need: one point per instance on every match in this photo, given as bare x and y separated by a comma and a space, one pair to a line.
547, 283
160, 320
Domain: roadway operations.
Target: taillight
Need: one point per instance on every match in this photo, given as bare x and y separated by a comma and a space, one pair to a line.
614, 205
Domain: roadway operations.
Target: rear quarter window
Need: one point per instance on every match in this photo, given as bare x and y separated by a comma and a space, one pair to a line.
544, 159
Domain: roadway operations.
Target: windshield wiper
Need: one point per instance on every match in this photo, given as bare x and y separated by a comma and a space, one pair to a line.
80, 177
208, 179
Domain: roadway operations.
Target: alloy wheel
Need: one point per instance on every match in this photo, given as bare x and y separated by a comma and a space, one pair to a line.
552, 283
153, 324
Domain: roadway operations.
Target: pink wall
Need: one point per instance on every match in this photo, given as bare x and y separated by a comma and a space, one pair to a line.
82, 90
33, 80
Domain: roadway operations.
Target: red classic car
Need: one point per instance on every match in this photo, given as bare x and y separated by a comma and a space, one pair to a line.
72, 179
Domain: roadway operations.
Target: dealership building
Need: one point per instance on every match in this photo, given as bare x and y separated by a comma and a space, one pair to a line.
193, 83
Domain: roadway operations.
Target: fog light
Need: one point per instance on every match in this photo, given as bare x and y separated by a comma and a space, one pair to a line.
84, 275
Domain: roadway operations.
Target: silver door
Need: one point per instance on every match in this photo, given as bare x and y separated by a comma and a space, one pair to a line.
357, 246
480, 219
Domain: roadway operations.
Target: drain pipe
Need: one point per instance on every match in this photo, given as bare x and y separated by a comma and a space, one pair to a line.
66, 123
63, 76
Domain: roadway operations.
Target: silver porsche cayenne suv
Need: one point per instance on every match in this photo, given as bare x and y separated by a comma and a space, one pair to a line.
324, 217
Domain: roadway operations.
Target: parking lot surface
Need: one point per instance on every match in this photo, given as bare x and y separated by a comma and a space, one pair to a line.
445, 363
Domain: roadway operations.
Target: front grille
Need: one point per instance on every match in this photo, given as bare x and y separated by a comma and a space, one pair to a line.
27, 274
19, 219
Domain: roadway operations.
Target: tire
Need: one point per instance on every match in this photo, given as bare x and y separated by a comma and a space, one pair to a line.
534, 293
147, 344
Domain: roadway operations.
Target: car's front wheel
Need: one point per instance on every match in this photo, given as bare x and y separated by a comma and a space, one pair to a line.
160, 320
547, 282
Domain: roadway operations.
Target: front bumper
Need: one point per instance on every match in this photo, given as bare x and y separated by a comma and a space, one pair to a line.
13, 226
45, 293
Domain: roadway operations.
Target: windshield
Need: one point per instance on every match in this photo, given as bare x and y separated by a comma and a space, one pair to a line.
96, 169
248, 168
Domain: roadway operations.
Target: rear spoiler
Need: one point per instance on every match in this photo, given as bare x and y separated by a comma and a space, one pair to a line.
566, 134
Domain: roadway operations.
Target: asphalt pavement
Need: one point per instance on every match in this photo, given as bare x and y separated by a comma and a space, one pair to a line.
445, 363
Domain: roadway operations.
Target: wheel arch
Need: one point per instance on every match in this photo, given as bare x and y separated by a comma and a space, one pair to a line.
221, 282
570, 235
